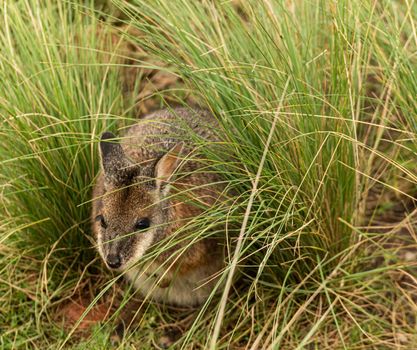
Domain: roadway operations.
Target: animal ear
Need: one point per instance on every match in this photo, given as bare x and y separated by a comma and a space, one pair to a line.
167, 164
118, 170
109, 147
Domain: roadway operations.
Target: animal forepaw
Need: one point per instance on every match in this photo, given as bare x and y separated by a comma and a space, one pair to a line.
169, 337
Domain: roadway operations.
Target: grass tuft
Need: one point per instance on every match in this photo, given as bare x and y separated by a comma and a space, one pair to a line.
316, 102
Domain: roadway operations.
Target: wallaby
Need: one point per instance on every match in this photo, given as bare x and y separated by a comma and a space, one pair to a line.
137, 204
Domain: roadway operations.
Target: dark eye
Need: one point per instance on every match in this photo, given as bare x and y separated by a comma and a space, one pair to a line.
103, 223
142, 224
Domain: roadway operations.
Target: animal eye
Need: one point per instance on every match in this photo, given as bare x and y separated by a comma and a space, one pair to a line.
103, 223
142, 224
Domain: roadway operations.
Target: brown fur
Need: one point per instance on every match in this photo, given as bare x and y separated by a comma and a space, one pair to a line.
139, 182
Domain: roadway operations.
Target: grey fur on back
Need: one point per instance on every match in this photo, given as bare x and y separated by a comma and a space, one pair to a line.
157, 133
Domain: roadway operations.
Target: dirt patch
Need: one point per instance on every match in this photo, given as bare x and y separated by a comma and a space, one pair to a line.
72, 313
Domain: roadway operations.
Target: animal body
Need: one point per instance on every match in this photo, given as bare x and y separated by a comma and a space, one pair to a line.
151, 185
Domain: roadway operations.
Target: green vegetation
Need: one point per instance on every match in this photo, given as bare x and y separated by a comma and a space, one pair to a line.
317, 104
57, 93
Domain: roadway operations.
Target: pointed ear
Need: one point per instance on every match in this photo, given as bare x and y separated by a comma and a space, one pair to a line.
166, 166
109, 148
118, 170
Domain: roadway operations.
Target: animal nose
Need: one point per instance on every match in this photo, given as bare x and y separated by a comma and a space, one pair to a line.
114, 261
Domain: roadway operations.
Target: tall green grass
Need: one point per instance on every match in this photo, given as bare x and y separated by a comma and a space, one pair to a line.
291, 85
59, 90
316, 102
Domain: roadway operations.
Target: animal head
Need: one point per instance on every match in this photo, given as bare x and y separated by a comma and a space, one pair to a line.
131, 211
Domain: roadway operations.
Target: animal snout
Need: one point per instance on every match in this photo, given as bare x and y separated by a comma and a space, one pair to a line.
114, 261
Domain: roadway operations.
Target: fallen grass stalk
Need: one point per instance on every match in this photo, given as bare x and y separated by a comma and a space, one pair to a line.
237, 252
